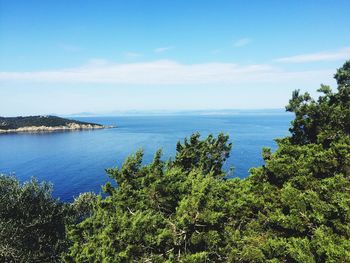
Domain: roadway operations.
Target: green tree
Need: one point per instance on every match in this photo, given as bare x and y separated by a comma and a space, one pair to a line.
303, 188
32, 222
161, 211
326, 119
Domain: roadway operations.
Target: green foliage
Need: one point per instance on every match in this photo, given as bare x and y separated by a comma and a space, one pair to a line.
208, 155
32, 222
82, 207
326, 119
160, 211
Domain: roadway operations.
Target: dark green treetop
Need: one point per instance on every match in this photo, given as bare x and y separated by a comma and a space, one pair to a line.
326, 119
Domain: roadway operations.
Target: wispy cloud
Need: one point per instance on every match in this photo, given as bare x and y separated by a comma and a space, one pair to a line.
132, 54
340, 54
163, 49
242, 42
167, 72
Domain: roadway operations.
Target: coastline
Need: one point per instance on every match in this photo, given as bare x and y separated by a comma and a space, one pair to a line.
70, 127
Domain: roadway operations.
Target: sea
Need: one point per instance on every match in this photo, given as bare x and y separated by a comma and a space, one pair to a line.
75, 161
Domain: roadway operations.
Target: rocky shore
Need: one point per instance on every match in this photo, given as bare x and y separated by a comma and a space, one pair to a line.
34, 124
69, 127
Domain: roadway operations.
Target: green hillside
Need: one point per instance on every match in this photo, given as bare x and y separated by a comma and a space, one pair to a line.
47, 121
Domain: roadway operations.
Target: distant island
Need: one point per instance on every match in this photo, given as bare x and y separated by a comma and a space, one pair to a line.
44, 124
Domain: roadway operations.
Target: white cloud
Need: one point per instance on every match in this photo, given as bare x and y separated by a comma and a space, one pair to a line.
242, 42
341, 54
167, 72
162, 49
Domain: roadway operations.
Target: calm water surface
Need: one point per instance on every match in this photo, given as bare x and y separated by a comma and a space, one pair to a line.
75, 161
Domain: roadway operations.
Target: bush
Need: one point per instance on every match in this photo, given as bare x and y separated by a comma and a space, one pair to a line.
32, 222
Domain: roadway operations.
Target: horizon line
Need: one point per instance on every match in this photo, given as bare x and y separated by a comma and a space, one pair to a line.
158, 112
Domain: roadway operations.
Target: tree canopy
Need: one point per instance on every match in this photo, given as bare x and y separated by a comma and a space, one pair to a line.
32, 222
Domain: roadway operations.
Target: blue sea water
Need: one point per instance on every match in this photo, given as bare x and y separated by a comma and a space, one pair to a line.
75, 161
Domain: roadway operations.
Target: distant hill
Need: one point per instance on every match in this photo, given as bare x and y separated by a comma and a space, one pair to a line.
43, 123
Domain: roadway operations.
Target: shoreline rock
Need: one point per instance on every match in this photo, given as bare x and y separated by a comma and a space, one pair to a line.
69, 127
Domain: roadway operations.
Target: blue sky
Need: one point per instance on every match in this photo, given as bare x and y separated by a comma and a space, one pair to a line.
67, 57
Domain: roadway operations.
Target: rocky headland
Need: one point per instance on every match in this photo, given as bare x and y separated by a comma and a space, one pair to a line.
34, 124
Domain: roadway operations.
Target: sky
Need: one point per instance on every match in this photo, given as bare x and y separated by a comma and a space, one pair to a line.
103, 57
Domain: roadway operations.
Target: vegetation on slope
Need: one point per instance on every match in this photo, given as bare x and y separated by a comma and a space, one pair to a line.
33, 223
7, 123
294, 208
